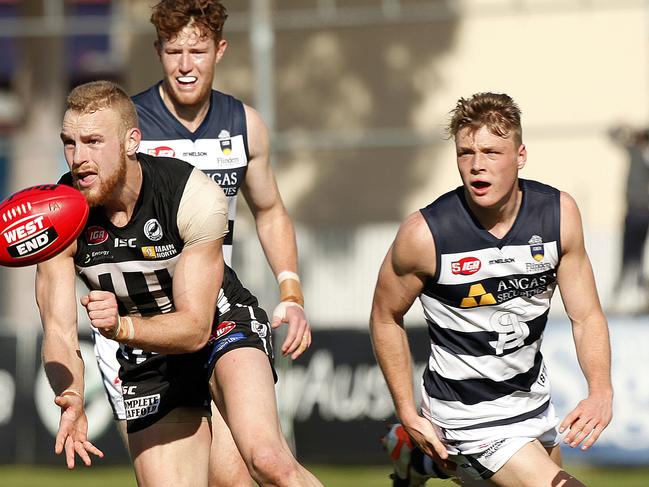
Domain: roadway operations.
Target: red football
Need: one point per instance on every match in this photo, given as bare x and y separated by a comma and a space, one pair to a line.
39, 222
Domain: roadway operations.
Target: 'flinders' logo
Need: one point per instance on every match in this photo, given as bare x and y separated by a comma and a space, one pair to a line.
536, 248
477, 297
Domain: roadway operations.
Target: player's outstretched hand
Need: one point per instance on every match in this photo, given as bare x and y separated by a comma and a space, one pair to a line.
102, 310
298, 337
73, 430
587, 420
423, 433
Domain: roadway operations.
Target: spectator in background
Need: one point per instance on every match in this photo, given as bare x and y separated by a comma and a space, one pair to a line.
631, 294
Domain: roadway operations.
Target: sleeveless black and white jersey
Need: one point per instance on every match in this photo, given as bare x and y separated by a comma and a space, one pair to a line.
219, 147
486, 309
136, 262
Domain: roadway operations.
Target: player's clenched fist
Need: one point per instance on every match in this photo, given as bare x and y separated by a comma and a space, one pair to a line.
103, 313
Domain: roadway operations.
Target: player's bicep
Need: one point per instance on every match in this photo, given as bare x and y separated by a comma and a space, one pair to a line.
260, 187
203, 211
575, 274
408, 263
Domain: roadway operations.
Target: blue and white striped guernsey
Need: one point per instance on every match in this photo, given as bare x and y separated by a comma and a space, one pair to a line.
486, 309
218, 147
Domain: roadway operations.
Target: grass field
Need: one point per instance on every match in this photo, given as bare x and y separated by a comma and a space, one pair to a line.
331, 476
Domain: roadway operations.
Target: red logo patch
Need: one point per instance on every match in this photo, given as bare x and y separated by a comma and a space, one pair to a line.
162, 151
466, 266
96, 235
224, 328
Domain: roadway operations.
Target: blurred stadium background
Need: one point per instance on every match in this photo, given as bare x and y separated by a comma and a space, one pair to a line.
356, 93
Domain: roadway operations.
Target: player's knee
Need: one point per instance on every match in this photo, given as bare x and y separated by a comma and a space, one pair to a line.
273, 466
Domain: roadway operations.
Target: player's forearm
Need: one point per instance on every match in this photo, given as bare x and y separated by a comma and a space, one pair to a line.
594, 353
170, 333
277, 238
392, 352
62, 361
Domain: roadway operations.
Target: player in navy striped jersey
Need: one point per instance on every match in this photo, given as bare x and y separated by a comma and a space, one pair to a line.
183, 117
484, 261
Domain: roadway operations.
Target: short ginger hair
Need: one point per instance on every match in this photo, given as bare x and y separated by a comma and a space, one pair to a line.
170, 16
99, 95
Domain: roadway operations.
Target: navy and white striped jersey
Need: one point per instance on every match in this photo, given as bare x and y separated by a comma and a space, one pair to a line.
486, 309
219, 147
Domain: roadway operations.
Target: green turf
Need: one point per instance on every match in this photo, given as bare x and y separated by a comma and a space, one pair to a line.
331, 476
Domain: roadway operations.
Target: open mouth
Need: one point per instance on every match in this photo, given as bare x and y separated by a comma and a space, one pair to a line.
85, 178
186, 80
480, 184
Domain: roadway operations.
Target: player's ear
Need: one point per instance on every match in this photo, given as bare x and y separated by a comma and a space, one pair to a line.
221, 46
522, 156
157, 45
133, 138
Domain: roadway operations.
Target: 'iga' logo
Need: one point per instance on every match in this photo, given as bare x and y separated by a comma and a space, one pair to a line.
466, 266
96, 235
162, 151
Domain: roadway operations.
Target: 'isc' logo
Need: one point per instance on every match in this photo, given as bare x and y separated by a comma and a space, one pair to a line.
466, 266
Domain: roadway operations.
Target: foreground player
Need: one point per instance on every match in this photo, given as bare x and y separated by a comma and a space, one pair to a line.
152, 257
484, 261
181, 116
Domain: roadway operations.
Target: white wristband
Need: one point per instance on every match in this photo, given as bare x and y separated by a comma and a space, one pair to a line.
131, 329
117, 328
284, 275
280, 309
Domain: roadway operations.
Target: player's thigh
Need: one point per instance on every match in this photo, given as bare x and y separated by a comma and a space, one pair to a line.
555, 454
227, 468
245, 389
531, 466
173, 452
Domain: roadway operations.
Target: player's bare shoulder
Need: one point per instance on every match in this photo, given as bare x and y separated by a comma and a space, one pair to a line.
572, 235
413, 251
258, 139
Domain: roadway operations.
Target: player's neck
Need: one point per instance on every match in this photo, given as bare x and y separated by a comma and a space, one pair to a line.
190, 116
500, 218
119, 209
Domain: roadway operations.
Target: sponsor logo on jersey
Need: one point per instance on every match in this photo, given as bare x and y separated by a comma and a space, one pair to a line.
29, 236
491, 449
466, 266
153, 230
125, 242
96, 235
194, 154
507, 289
141, 406
162, 151
222, 329
96, 254
159, 251
226, 146
228, 340
536, 247
508, 260
540, 267
223, 134
477, 296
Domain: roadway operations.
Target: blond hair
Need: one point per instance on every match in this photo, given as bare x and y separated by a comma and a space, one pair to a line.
496, 111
